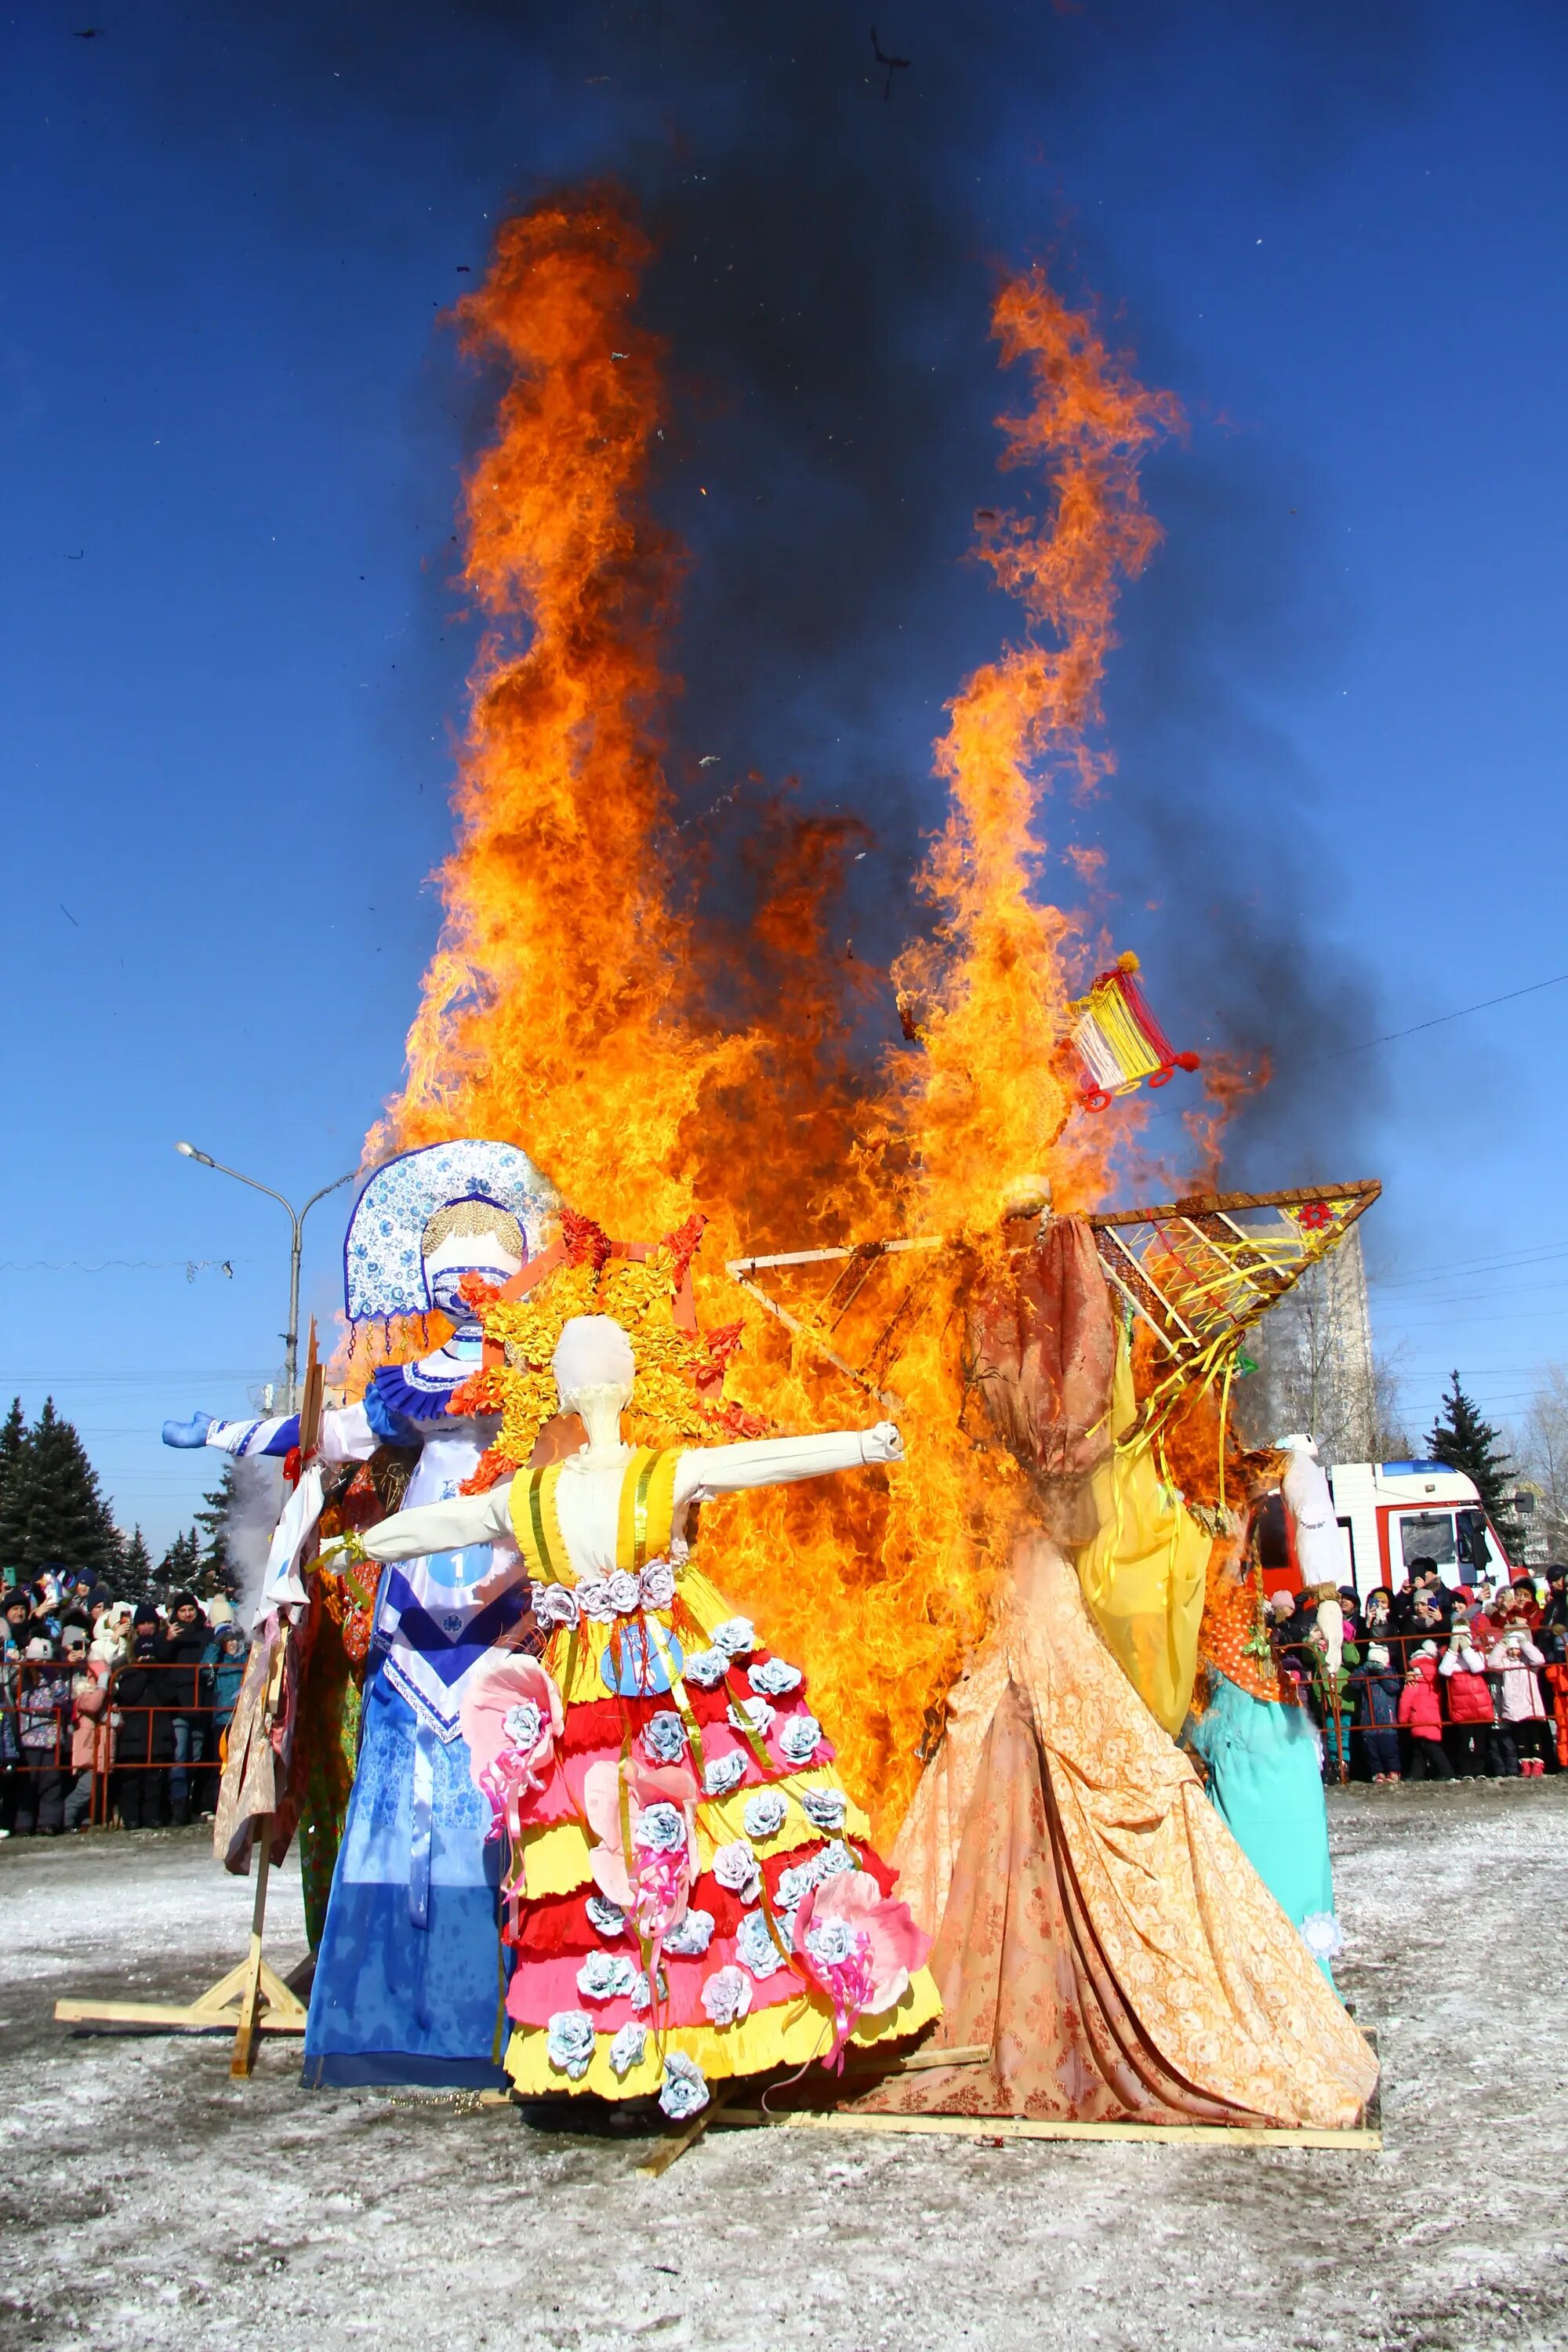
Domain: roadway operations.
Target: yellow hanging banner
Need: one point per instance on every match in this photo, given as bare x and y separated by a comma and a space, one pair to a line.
1143, 1575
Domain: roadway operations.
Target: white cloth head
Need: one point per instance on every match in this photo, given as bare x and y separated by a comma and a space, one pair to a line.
593, 1352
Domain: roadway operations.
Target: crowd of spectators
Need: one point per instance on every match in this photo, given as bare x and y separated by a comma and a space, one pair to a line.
1437, 1682
111, 1710
115, 1711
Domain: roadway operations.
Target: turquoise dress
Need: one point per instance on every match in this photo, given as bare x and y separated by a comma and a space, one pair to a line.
1265, 1783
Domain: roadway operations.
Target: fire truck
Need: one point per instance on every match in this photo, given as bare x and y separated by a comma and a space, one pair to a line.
1391, 1513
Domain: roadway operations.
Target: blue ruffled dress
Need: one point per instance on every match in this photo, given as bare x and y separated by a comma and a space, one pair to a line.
410, 1980
1265, 1783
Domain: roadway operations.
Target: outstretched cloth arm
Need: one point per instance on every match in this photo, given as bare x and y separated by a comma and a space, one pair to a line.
443, 1526
346, 1435
781, 1460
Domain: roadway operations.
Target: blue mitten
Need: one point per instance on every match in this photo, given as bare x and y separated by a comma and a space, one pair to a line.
188, 1433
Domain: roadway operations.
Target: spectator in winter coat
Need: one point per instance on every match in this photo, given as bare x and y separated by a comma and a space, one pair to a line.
1520, 1734
1421, 1714
1469, 1692
1332, 1699
229, 1651
143, 1738
43, 1713
91, 1738
11, 1654
184, 1653
110, 1645
1552, 1639
1375, 1685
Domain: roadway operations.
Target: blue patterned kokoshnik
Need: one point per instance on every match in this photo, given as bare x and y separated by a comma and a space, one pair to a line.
384, 1265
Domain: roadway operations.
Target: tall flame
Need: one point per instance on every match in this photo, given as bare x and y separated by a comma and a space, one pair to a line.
570, 1003
989, 1099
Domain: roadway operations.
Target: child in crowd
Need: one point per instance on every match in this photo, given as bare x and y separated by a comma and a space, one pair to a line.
1421, 1714
43, 1713
1469, 1691
1519, 1733
1375, 1684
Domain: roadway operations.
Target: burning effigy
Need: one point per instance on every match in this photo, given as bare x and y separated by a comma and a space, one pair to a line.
661, 1777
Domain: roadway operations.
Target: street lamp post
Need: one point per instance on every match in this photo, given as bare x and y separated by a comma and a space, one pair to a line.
297, 1223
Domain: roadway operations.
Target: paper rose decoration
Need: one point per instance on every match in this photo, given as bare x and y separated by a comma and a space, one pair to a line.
707, 1668
772, 1678
755, 1946
799, 1737
735, 1636
825, 1808
858, 1946
626, 2049
736, 1869
606, 1975
722, 1773
727, 1995
765, 1815
685, 2090
661, 1805
690, 1936
754, 1715
664, 1736
569, 2044
511, 1719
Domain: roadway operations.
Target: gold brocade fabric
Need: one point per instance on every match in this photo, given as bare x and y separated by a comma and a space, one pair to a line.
1143, 1573
1098, 1927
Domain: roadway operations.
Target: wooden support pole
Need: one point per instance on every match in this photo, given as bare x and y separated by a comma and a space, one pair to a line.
243, 2062
676, 2143
999, 2127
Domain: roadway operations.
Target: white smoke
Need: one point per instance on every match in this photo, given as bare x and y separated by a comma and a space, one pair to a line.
248, 1525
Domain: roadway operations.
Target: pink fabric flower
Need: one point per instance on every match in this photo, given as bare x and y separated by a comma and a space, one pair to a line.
511, 1719
660, 1805
859, 1946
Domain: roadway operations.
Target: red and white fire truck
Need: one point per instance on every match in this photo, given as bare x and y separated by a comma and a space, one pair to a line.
1390, 1514
1393, 1513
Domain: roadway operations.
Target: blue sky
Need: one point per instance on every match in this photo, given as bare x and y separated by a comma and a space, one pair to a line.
231, 433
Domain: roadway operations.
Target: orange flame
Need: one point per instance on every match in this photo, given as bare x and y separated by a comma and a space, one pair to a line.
568, 1005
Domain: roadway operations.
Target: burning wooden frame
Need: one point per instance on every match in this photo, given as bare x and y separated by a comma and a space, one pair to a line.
1197, 1273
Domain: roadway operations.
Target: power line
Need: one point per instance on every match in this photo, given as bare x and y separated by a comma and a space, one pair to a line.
1394, 1035
1509, 1264
189, 1266
1470, 1297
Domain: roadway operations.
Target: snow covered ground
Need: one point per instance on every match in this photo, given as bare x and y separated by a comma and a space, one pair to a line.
145, 2200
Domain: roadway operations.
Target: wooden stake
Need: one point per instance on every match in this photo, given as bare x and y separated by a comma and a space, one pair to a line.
676, 2143
242, 2064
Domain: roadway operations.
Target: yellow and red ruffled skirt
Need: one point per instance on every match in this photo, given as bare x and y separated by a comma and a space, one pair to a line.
585, 2016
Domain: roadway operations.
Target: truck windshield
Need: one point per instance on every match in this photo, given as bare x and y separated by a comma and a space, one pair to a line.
1427, 1535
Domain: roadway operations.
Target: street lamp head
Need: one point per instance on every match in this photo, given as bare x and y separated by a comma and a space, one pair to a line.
189, 1151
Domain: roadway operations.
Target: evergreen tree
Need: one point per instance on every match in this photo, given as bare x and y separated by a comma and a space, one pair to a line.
13, 1483
135, 1582
1466, 1441
178, 1570
65, 1518
217, 1576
